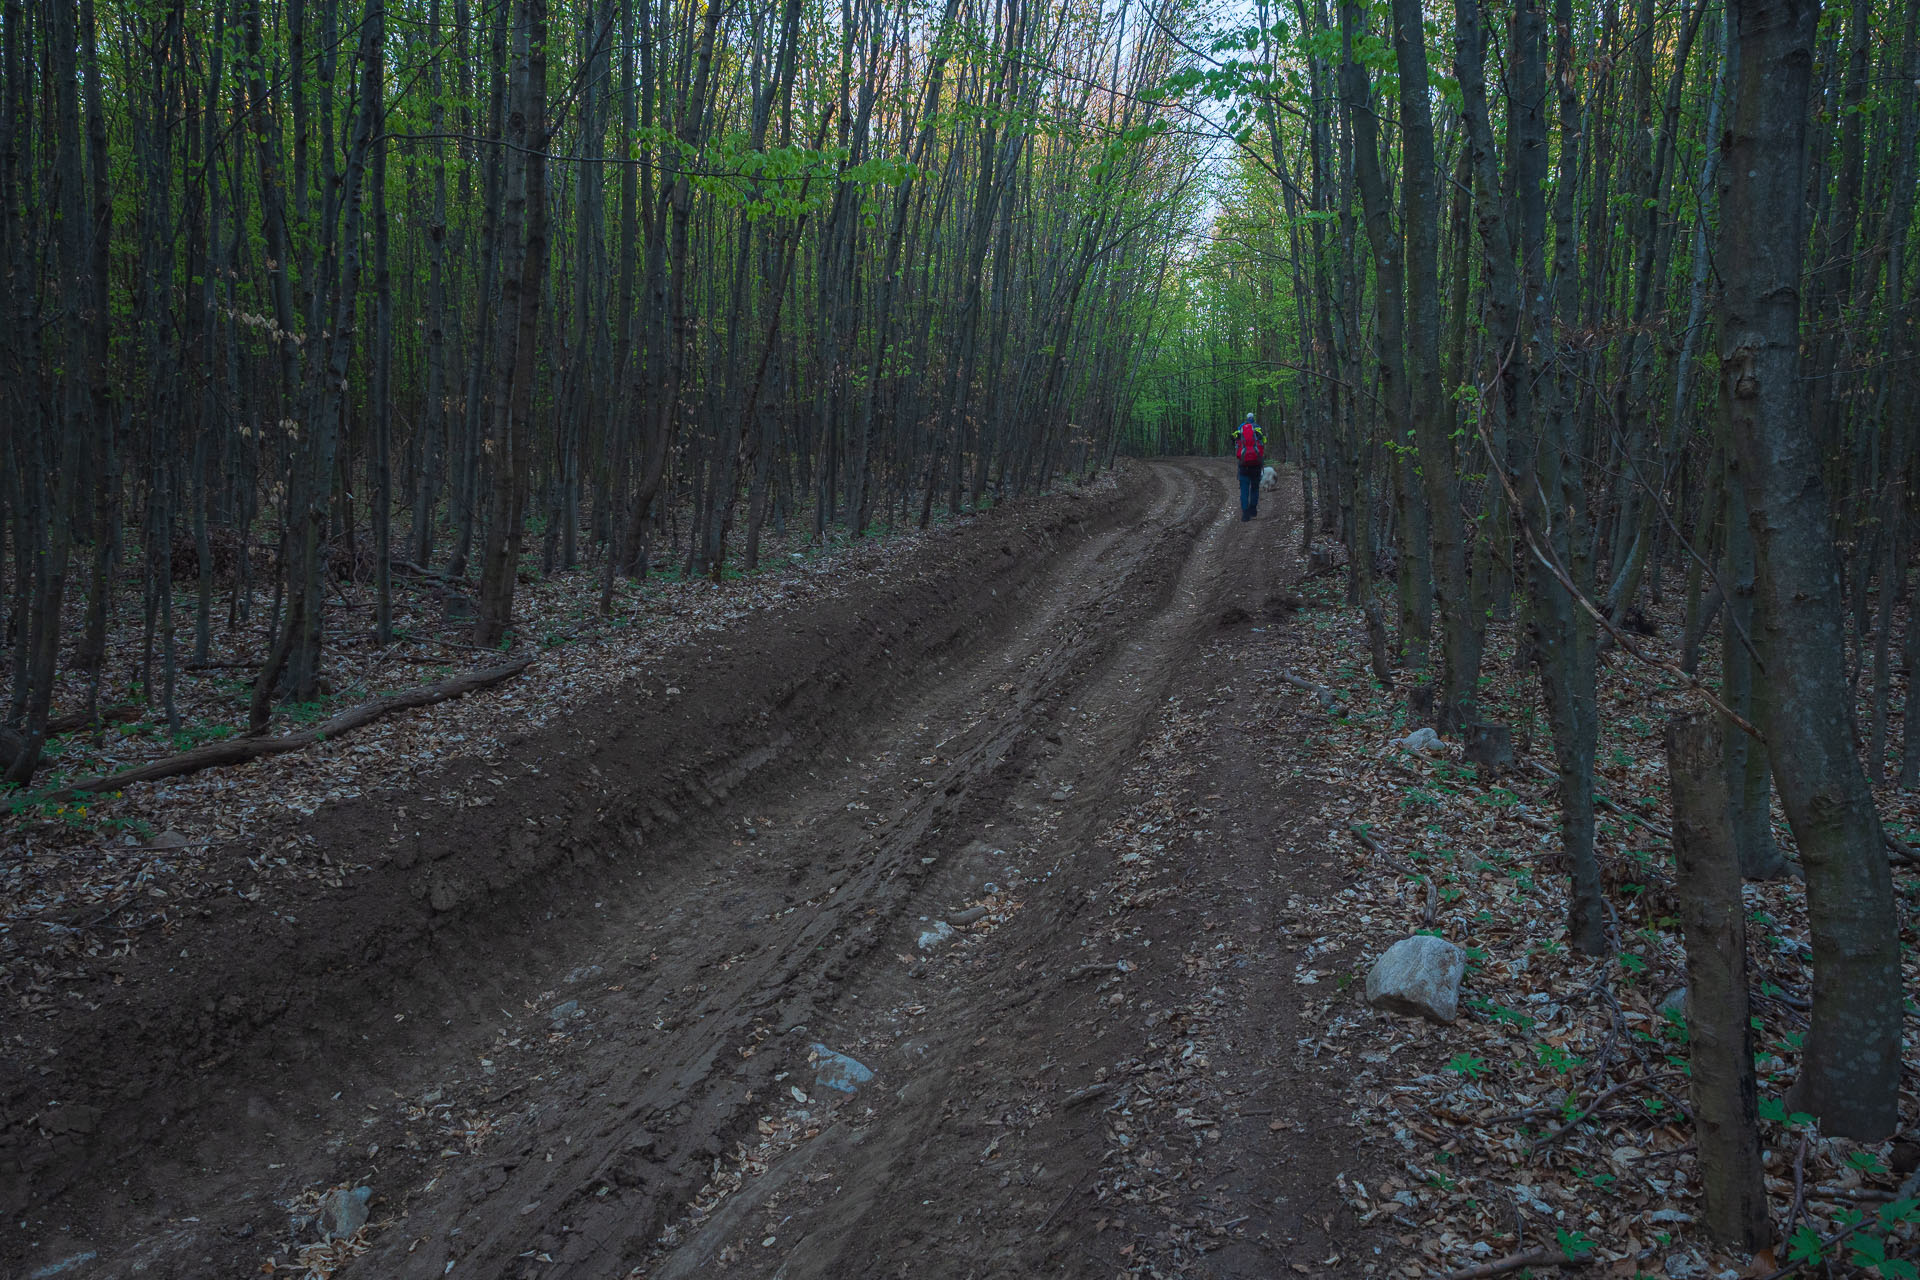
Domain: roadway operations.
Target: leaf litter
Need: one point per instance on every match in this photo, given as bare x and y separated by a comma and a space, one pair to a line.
1553, 1115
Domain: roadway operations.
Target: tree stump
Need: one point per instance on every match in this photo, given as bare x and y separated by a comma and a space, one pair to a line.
1490, 746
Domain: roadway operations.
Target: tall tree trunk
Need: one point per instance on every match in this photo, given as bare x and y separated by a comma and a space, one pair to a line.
1416, 595
1550, 474
523, 239
1850, 1077
380, 390
434, 418
1461, 637
63, 425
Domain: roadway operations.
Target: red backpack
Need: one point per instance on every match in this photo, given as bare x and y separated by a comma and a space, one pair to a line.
1250, 450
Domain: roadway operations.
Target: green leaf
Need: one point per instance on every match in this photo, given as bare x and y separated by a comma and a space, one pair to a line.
1574, 1244
1805, 1246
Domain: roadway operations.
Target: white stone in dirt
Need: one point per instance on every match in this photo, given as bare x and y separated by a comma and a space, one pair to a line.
935, 934
343, 1212
1419, 976
836, 1071
1419, 741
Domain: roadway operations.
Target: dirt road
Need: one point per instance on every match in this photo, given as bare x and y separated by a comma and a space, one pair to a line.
1003, 834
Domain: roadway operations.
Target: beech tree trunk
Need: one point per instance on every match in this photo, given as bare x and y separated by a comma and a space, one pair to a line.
1850, 1077
523, 238
1432, 419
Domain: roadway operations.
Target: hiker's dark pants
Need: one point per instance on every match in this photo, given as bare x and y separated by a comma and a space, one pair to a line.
1249, 493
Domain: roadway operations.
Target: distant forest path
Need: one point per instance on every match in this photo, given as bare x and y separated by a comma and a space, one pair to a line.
577, 1028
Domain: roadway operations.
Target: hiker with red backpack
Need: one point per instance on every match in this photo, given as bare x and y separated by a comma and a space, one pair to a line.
1250, 450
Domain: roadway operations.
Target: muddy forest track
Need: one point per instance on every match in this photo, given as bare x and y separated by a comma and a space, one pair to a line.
775, 926
709, 911
910, 1193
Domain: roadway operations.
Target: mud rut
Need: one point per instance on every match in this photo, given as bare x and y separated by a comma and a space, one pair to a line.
517, 1145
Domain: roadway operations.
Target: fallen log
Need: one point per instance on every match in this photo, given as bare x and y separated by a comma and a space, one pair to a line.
1329, 699
1520, 1261
81, 720
241, 750
409, 569
12, 742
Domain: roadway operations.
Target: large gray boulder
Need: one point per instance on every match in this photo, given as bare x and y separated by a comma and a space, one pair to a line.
1419, 976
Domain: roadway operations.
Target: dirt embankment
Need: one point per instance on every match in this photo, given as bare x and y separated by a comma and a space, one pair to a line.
283, 980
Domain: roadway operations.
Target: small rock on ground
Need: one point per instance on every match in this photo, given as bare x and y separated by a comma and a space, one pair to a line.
1418, 741
1680, 1266
1418, 976
343, 1212
836, 1071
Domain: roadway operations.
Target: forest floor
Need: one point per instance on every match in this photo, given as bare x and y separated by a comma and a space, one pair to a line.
1026, 817
582, 653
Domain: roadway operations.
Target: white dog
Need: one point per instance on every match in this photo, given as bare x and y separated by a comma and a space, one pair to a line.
1269, 478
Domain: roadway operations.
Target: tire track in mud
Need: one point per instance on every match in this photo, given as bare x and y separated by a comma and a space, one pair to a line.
970, 1222
678, 1095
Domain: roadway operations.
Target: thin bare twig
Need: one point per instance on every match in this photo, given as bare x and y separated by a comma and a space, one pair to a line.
1588, 1110
1799, 1188
1375, 848
1908, 1190
1602, 802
